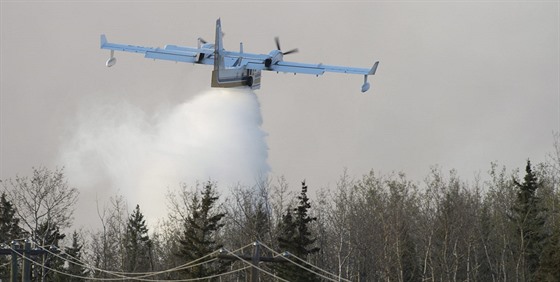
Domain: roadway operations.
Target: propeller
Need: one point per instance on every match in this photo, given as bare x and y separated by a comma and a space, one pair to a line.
277, 40
201, 41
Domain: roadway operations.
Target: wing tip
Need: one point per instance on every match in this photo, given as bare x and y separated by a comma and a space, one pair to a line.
374, 68
103, 40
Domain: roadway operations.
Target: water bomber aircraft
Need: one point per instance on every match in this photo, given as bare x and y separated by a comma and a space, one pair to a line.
234, 69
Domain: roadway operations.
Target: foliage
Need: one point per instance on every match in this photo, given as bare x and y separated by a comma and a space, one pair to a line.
106, 245
138, 246
529, 217
379, 227
44, 197
73, 255
296, 238
200, 232
48, 237
9, 230
9, 223
249, 216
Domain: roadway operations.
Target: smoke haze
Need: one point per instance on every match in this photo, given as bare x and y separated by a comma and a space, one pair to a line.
119, 149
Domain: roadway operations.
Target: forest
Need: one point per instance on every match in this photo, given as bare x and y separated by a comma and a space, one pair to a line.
503, 225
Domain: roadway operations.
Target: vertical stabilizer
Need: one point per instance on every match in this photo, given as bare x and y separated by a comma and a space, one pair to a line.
218, 47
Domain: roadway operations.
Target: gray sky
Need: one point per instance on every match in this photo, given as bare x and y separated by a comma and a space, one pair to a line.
459, 85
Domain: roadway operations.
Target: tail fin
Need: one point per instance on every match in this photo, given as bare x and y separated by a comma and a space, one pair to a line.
218, 47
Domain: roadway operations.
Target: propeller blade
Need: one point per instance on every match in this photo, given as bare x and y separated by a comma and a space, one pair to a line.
277, 40
290, 52
202, 40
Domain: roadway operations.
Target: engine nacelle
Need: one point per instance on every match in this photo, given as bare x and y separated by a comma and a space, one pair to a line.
365, 87
250, 81
111, 62
275, 57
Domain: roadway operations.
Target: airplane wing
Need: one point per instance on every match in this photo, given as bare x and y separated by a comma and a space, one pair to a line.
250, 57
169, 52
315, 69
252, 61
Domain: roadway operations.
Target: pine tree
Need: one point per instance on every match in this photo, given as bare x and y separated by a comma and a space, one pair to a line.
138, 246
529, 217
296, 238
199, 235
74, 258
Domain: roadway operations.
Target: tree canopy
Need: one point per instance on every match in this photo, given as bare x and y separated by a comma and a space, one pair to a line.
503, 226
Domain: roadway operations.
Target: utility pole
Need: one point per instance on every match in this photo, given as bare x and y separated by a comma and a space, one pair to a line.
255, 262
255, 259
14, 251
26, 263
26, 252
14, 270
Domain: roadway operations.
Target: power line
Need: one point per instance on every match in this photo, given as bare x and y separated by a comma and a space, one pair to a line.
144, 274
253, 264
121, 275
147, 274
285, 257
251, 261
132, 278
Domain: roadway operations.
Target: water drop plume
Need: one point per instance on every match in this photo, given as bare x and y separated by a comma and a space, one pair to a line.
118, 149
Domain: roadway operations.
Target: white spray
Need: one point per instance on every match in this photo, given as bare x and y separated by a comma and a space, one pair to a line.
117, 149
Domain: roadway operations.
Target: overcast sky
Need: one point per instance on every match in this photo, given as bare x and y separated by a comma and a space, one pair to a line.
459, 85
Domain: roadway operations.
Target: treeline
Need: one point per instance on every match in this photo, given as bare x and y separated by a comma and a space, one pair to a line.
374, 228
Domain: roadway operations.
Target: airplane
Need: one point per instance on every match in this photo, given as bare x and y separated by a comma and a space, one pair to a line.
234, 69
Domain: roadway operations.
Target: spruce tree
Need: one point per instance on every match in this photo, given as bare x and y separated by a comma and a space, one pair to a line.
529, 217
9, 223
304, 239
74, 257
138, 246
9, 230
296, 238
200, 234
288, 233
